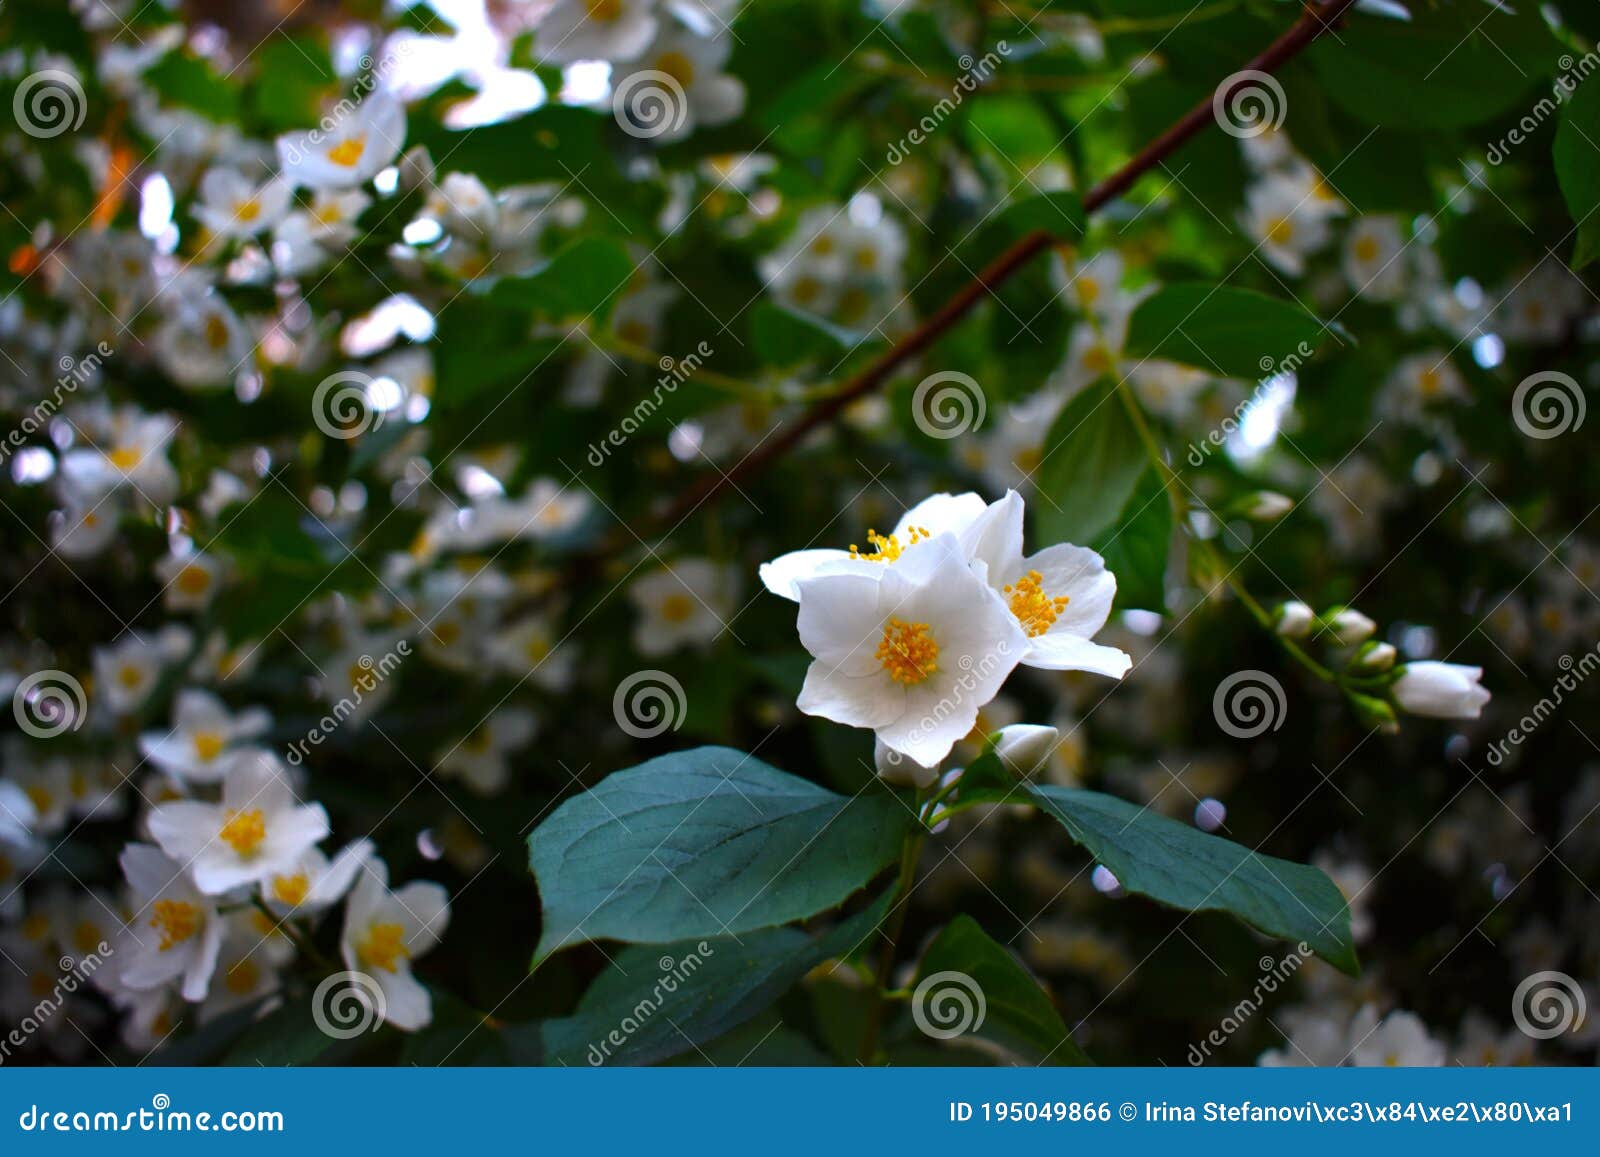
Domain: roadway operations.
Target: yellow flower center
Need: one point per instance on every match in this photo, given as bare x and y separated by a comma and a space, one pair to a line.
604, 11
130, 676
1035, 610
1430, 381
1088, 290
242, 978
908, 652
677, 608
888, 548
175, 920
347, 153
216, 332
537, 649
249, 210
125, 458
1097, 359
678, 66
41, 798
35, 927
86, 936
208, 745
244, 831
383, 946
291, 890
1367, 249
193, 580
1280, 231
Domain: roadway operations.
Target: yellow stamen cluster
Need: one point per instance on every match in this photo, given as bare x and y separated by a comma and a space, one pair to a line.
244, 830
347, 153
1035, 610
383, 946
887, 548
291, 891
908, 652
175, 920
209, 744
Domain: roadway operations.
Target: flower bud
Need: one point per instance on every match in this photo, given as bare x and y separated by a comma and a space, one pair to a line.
1374, 712
1266, 506
1349, 626
1373, 658
1441, 690
1294, 620
1024, 747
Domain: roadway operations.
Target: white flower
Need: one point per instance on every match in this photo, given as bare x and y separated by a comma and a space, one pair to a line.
84, 531
1373, 262
529, 647
912, 652
1025, 747
480, 758
200, 746
1285, 224
695, 64
385, 931
684, 604
45, 784
1348, 626
315, 883
232, 205
134, 454
189, 579
257, 830
1420, 381
1441, 690
613, 30
175, 931
351, 150
1267, 506
202, 343
1093, 286
1315, 1037
126, 671
1400, 1039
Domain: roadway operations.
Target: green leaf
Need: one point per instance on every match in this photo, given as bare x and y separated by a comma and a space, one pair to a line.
782, 337
1135, 546
581, 280
1016, 1011
655, 1002
1182, 866
1454, 63
1235, 333
1059, 214
1093, 459
295, 78
183, 78
1577, 154
702, 843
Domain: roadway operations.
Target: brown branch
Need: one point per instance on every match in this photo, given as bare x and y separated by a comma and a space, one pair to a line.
1317, 18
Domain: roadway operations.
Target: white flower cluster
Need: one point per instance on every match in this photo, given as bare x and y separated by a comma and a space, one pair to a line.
915, 634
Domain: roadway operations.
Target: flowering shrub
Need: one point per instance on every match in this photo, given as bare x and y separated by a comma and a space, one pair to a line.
449, 441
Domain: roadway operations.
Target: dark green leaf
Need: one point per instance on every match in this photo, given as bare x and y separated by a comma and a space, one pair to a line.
579, 281
1234, 333
1135, 546
1577, 153
1092, 462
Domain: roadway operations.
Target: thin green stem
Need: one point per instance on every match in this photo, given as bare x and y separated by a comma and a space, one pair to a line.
910, 853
